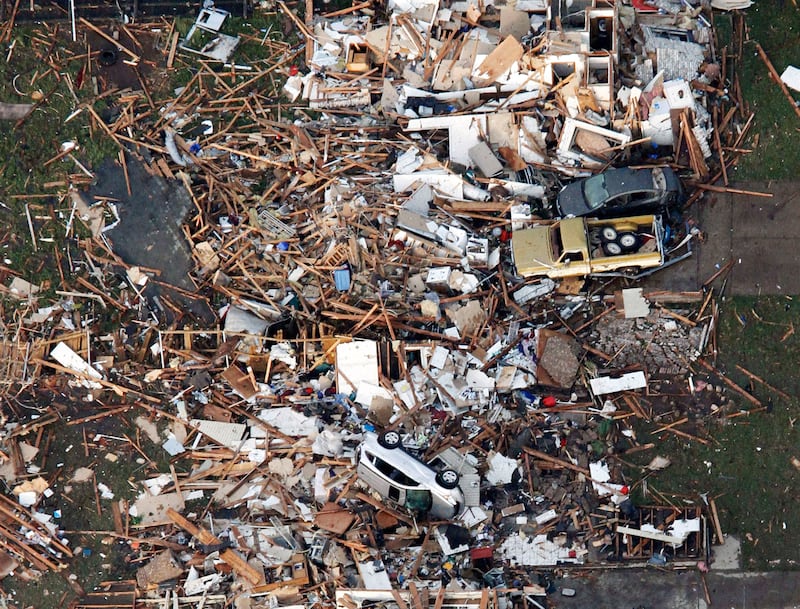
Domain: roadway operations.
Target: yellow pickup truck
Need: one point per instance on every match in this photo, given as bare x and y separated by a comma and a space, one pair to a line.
574, 247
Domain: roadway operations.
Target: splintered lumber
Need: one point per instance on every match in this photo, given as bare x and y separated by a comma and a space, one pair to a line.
300, 25
206, 537
723, 269
134, 57
688, 436
730, 383
399, 599
758, 379
734, 191
9, 25
677, 316
633, 403
345, 11
118, 389
561, 462
715, 518
776, 77
671, 425
36, 554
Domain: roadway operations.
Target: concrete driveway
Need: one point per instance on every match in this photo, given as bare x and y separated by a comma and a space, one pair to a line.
758, 233
655, 589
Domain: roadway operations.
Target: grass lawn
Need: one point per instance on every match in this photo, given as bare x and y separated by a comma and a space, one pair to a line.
775, 24
748, 469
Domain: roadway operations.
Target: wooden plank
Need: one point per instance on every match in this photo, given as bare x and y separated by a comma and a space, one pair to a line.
758, 379
173, 47
399, 599
202, 535
415, 599
117, 513
715, 518
240, 565
233, 559
777, 78
439, 599
730, 383
499, 60
734, 191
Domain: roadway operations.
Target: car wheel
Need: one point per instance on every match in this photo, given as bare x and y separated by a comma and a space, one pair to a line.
608, 233
629, 241
448, 478
389, 439
612, 248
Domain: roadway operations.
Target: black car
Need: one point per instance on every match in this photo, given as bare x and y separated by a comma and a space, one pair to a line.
622, 192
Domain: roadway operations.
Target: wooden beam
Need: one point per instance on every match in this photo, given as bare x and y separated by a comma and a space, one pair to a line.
236, 562
777, 78
734, 191
134, 57
715, 519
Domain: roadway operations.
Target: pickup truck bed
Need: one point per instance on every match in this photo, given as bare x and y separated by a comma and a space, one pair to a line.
575, 247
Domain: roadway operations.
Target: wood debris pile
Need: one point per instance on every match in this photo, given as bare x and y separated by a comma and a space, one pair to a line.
351, 255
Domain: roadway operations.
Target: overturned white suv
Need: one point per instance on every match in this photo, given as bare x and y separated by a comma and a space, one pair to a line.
405, 480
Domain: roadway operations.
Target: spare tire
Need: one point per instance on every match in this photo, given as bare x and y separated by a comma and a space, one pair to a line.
629, 242
612, 248
608, 233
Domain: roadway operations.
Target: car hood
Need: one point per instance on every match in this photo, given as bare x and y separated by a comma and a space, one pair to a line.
532, 251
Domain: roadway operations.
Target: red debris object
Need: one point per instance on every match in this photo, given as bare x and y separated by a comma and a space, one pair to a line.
549, 401
478, 553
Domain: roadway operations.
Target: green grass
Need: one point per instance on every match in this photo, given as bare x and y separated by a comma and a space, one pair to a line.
774, 24
27, 146
105, 557
748, 467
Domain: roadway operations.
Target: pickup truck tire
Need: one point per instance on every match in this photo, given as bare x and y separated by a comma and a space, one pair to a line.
389, 439
447, 478
608, 233
612, 248
629, 242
